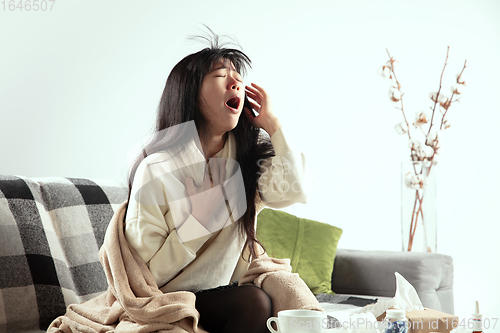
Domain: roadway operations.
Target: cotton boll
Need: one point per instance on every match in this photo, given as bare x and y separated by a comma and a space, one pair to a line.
432, 139
417, 182
422, 154
385, 72
401, 128
444, 101
414, 156
442, 98
421, 118
429, 152
395, 85
394, 64
457, 88
433, 96
395, 95
408, 179
414, 144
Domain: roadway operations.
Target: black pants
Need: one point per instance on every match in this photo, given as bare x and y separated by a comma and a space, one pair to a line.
233, 309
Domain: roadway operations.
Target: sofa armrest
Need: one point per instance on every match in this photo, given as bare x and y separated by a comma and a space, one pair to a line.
372, 273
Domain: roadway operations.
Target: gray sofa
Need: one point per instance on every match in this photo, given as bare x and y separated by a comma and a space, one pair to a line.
372, 273
52, 228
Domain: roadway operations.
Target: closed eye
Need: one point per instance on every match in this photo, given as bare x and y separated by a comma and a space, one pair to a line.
239, 80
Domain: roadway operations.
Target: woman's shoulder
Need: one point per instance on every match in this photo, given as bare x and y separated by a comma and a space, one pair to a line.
157, 158
161, 160
173, 158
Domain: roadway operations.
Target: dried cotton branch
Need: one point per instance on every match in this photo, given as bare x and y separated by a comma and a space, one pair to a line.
427, 153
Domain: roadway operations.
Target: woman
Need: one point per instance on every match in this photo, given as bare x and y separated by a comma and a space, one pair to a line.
197, 187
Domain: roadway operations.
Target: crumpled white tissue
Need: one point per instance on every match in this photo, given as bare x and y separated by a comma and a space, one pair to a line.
364, 319
406, 297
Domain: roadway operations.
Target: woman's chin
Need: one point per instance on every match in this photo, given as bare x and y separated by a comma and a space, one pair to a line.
235, 121
227, 125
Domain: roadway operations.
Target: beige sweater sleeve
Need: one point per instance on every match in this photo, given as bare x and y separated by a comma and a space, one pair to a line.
281, 183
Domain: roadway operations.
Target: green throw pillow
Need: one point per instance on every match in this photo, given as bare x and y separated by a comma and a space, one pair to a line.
310, 245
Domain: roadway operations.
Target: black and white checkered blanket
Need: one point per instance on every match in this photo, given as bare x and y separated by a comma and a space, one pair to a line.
50, 232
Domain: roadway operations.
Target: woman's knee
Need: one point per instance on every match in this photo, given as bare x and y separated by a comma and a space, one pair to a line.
256, 308
258, 297
242, 309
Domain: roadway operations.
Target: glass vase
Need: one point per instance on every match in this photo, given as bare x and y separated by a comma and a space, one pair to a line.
418, 207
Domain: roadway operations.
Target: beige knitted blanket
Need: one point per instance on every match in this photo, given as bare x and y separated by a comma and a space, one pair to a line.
133, 302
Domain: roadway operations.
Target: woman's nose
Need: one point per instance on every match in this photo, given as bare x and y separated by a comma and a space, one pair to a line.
234, 85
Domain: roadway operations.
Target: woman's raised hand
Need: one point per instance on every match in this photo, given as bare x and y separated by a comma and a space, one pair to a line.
261, 103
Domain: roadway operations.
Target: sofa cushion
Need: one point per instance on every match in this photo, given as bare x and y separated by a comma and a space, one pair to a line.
51, 230
310, 245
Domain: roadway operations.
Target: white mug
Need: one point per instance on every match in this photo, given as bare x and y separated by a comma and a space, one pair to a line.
299, 321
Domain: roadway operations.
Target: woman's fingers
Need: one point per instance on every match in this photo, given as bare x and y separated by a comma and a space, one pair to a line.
256, 93
266, 118
256, 89
254, 98
252, 91
254, 105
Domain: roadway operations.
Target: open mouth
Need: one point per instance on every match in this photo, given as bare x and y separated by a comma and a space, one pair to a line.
233, 103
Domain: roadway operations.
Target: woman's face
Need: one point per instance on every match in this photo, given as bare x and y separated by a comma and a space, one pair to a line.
222, 95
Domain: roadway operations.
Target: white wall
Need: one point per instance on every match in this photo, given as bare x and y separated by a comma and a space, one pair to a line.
79, 86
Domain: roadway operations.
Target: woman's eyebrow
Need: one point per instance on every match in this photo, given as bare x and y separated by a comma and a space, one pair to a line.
220, 67
223, 66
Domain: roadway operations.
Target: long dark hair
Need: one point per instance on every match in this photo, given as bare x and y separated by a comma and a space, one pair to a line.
180, 103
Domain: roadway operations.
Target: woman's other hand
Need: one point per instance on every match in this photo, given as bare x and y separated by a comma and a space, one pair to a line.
261, 103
